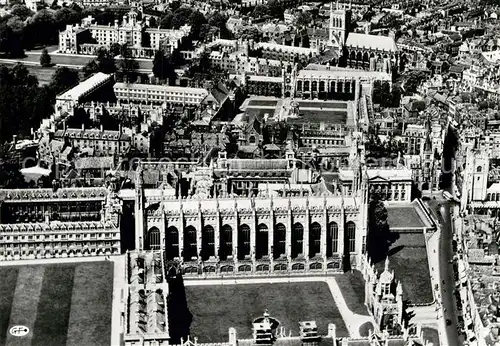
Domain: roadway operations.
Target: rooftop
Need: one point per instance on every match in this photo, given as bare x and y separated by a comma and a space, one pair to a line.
325, 72
85, 87
372, 42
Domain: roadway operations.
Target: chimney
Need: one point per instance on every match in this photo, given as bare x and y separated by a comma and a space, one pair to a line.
102, 128
83, 127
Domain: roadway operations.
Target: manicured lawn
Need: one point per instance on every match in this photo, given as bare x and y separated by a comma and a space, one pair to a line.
216, 308
403, 217
411, 267
352, 286
431, 335
61, 304
305, 104
263, 103
7, 290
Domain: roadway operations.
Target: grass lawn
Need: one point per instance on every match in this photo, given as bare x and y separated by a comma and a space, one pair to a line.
216, 308
403, 217
364, 329
411, 267
263, 103
305, 104
431, 335
352, 286
61, 304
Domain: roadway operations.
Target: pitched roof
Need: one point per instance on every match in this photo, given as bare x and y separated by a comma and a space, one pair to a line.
373, 42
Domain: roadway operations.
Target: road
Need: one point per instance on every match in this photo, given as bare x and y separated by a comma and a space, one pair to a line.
447, 285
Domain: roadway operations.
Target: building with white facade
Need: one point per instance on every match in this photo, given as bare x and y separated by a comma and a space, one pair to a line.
159, 94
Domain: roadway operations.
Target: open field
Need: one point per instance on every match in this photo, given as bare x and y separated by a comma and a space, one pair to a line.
408, 259
61, 304
216, 308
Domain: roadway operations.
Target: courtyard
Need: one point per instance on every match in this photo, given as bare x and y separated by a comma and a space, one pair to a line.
215, 308
61, 304
408, 259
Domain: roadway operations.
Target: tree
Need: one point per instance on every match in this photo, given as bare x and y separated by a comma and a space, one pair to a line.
21, 11
115, 49
166, 21
10, 42
63, 79
90, 68
127, 66
303, 20
162, 67
45, 60
23, 100
106, 61
379, 235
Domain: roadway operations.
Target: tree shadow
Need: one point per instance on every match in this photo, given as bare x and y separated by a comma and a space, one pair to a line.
180, 318
395, 250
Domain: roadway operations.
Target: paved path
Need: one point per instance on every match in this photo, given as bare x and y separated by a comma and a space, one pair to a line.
119, 287
353, 321
55, 260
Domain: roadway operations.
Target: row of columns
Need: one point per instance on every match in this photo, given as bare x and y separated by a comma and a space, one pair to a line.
270, 237
328, 85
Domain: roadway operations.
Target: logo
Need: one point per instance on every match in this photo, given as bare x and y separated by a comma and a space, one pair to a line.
19, 330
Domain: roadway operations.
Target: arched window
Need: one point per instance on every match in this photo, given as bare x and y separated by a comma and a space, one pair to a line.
314, 239
243, 241
153, 240
207, 242
351, 236
226, 242
306, 86
332, 240
479, 169
190, 249
297, 239
262, 241
172, 243
279, 245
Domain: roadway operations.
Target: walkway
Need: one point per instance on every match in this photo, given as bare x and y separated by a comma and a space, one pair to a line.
27, 262
353, 321
119, 287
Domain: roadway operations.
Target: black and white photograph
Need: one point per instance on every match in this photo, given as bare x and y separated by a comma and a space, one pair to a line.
249, 173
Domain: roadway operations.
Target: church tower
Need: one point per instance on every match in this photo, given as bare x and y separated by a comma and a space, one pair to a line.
139, 209
480, 170
338, 26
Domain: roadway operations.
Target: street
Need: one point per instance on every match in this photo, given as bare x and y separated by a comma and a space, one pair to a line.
446, 275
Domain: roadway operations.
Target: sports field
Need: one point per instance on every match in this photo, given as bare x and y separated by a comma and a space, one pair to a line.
61, 304
216, 308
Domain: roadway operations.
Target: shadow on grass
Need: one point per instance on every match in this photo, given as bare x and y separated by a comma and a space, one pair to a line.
395, 250
180, 318
379, 247
365, 328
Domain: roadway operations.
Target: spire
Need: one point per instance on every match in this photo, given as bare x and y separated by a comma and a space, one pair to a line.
386, 267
